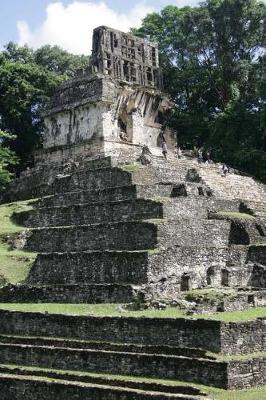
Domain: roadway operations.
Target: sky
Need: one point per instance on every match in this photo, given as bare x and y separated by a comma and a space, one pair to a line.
69, 23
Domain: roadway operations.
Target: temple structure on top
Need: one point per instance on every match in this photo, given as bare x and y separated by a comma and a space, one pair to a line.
126, 57
111, 108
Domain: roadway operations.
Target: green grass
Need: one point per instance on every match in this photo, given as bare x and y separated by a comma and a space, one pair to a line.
234, 215
115, 310
152, 252
8, 226
237, 316
161, 199
130, 167
210, 294
238, 357
14, 264
155, 221
251, 394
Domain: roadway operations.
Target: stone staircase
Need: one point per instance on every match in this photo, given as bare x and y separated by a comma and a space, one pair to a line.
76, 356
119, 232
109, 233
233, 186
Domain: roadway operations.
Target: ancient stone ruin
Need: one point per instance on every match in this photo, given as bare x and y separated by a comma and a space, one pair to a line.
113, 107
112, 221
126, 57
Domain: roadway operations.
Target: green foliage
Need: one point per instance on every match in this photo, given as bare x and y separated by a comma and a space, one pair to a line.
7, 159
214, 70
27, 80
14, 264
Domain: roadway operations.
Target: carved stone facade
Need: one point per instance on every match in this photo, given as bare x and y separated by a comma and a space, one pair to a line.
114, 105
126, 57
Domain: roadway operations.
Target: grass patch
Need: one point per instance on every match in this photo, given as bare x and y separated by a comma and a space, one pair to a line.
233, 215
14, 264
237, 316
152, 252
155, 221
8, 226
238, 357
163, 200
131, 167
210, 295
250, 394
90, 309
114, 310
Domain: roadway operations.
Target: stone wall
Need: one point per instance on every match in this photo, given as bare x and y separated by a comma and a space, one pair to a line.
137, 364
93, 267
243, 337
91, 213
151, 331
215, 336
70, 293
24, 388
37, 389
247, 374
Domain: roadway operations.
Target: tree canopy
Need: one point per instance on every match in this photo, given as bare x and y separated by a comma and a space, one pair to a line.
213, 59
27, 80
8, 160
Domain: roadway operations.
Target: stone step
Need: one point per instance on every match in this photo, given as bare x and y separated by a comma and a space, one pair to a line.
81, 293
211, 335
129, 235
106, 380
91, 213
97, 345
183, 368
119, 176
91, 180
232, 186
122, 193
93, 267
38, 181
142, 267
128, 210
96, 163
36, 387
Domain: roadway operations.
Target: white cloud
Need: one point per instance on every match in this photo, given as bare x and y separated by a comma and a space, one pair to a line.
192, 3
71, 26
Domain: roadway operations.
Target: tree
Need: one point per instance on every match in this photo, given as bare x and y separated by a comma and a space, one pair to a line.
212, 59
7, 159
54, 59
27, 80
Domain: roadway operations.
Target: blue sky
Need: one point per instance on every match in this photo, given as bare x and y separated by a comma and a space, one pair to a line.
69, 23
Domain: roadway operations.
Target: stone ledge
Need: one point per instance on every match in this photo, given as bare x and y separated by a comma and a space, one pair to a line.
37, 388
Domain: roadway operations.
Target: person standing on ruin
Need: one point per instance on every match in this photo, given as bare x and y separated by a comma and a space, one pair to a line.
164, 148
225, 170
200, 155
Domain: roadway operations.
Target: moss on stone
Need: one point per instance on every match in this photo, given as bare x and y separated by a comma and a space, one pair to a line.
162, 199
155, 221
130, 167
210, 294
152, 252
232, 215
